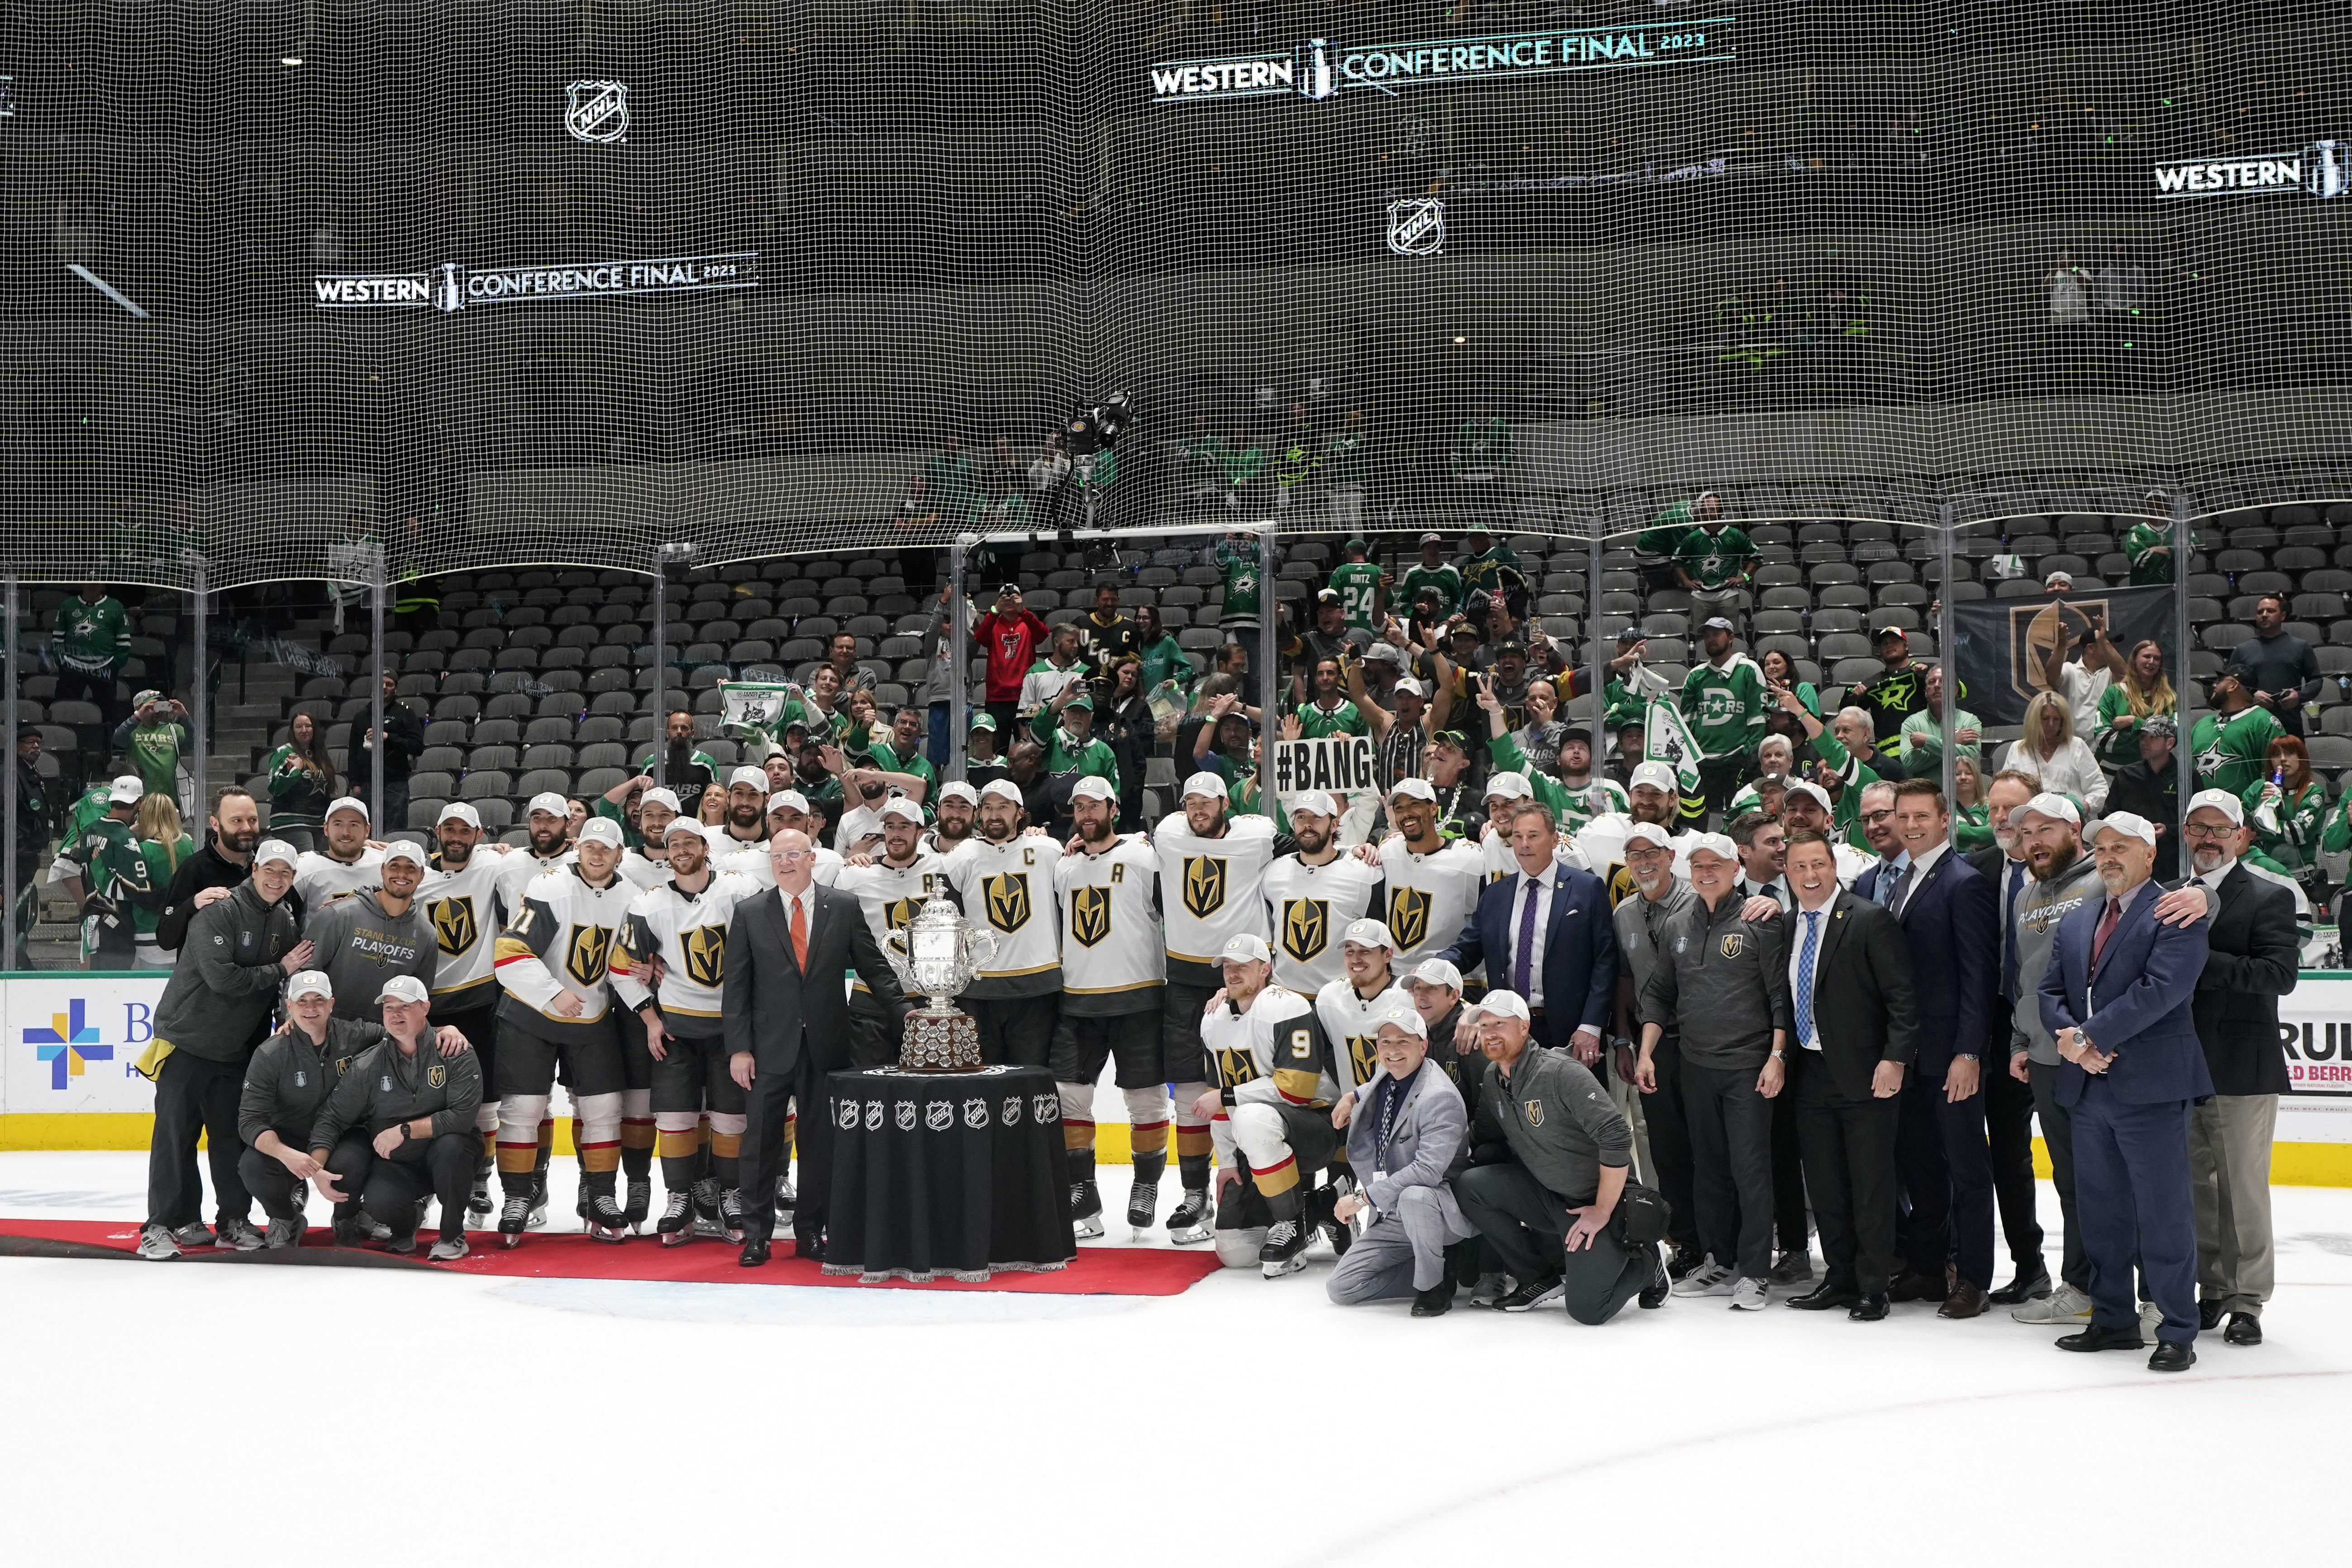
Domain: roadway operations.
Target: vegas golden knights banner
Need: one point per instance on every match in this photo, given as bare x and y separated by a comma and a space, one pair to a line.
2007, 650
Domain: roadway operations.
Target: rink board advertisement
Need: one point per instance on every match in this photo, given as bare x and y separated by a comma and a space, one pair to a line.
71, 1041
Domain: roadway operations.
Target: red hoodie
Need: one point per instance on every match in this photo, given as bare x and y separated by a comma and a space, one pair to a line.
1011, 643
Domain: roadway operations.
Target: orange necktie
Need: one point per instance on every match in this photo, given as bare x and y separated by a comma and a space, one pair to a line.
800, 935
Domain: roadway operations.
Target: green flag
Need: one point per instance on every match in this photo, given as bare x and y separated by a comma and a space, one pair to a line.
1667, 738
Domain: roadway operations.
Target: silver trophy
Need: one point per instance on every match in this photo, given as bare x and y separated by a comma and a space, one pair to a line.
937, 955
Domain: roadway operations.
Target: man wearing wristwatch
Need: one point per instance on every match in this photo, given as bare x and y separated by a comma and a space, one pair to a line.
1726, 978
398, 1127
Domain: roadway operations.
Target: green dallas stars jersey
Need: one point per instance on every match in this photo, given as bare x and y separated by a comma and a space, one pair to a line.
1238, 561
1714, 559
1726, 706
1442, 578
2231, 752
2139, 547
1359, 584
1316, 722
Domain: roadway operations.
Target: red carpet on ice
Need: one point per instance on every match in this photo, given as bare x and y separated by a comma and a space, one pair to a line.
1095, 1271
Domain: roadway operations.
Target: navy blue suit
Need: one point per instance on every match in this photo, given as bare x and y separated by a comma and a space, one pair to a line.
1580, 950
1951, 917
2131, 1122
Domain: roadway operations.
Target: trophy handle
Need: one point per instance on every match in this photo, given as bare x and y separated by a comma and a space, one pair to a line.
980, 935
894, 949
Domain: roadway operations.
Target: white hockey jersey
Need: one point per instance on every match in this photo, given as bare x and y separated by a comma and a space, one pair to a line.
1277, 1052
519, 868
467, 914
1352, 1022
560, 937
1113, 955
1007, 889
1430, 897
319, 879
1310, 907
1209, 891
891, 896
688, 933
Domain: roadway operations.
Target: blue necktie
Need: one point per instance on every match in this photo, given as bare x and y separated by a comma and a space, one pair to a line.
1522, 966
2008, 932
1881, 891
1805, 977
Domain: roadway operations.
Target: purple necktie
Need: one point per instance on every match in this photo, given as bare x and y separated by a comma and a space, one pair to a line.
1524, 964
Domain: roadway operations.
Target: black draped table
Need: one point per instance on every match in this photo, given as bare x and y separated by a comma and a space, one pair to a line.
946, 1175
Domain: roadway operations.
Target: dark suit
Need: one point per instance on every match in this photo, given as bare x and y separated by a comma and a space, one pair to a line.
2009, 1102
1950, 915
1580, 950
2251, 960
2131, 1122
796, 1026
1865, 1012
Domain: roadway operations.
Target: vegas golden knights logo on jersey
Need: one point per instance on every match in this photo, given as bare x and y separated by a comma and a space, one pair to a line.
453, 925
1364, 1051
1306, 928
706, 955
1235, 1067
1008, 901
1090, 915
900, 913
1621, 886
1205, 886
1408, 917
590, 949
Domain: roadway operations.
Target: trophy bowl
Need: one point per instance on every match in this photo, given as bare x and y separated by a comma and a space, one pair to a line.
936, 954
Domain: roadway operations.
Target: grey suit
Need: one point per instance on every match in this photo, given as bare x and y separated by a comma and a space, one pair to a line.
1413, 1214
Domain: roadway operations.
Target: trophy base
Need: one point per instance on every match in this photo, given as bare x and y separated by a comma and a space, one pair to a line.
940, 1042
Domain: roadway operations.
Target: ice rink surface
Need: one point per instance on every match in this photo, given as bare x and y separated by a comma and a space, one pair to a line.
199, 1414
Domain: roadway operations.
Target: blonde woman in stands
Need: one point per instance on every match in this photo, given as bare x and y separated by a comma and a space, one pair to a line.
2062, 759
713, 810
164, 843
2141, 691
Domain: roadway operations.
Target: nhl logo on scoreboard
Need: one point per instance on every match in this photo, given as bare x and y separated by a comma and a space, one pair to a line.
1417, 225
598, 111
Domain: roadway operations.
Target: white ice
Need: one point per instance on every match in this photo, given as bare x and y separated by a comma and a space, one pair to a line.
191, 1414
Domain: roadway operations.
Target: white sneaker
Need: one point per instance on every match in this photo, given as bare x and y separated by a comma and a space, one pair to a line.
237, 1235
448, 1250
157, 1244
1709, 1279
2063, 1305
1748, 1295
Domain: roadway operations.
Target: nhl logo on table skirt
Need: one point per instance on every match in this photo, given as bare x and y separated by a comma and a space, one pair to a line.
873, 1115
1013, 1111
847, 1116
906, 1116
975, 1113
939, 1116
1046, 1108
597, 112
1417, 225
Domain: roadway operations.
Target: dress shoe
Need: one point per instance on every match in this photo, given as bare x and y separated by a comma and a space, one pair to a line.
754, 1253
1965, 1301
1822, 1297
1435, 1301
809, 1248
1794, 1266
2025, 1288
2244, 1329
1869, 1310
2096, 1338
2172, 1356
2208, 1315
1915, 1286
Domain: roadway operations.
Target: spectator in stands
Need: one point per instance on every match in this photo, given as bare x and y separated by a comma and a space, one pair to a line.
1125, 724
1234, 660
1296, 456
712, 812
302, 781
1655, 547
897, 756
2149, 547
820, 702
2051, 752
152, 740
1922, 736
1724, 700
1064, 727
33, 827
1047, 470
841, 656
1343, 465
941, 671
2286, 809
2233, 743
1162, 657
1780, 671
1481, 464
1326, 710
1216, 736
1104, 635
861, 723
2140, 692
575, 818
1488, 565
1632, 740
1434, 573
1898, 691
2284, 668
951, 483
163, 844
981, 765
1059, 668
1714, 563
404, 737
2083, 679
1010, 635
89, 639
1970, 829
686, 770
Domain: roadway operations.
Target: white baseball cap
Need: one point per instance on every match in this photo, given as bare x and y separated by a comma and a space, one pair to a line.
748, 777
1408, 686
1368, 932
682, 824
460, 811
960, 791
1436, 971
788, 800
601, 830
1715, 844
125, 791
403, 850
1812, 791
1003, 789
1404, 1018
2221, 800
1414, 789
270, 850
1205, 784
309, 982
1510, 787
1315, 803
1094, 786
1246, 949
1650, 833
904, 809
341, 803
660, 795
2127, 822
1657, 775
1503, 1005
404, 988
2050, 805
548, 802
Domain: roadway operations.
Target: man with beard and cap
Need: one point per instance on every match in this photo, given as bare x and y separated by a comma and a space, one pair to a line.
1114, 983
553, 961
1211, 864
1662, 1139
1312, 893
549, 849
1347, 1004
1433, 881
1654, 796
347, 864
461, 902
788, 811
370, 935
1005, 881
891, 884
686, 772
647, 866
959, 815
747, 805
669, 969
1406, 1127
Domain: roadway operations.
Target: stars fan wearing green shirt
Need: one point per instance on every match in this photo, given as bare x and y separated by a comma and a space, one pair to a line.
1328, 710
1724, 700
154, 737
1713, 563
2232, 744
2287, 808
89, 638
301, 778
1064, 727
1435, 572
2148, 548
2140, 692
1359, 584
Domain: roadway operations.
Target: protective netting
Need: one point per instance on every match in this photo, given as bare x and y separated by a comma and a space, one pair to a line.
551, 284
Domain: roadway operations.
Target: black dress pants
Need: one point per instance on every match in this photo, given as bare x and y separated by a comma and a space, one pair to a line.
1850, 1170
389, 1187
1788, 1178
1731, 1150
1527, 1224
193, 1097
768, 1104
1670, 1140
2008, 1129
270, 1183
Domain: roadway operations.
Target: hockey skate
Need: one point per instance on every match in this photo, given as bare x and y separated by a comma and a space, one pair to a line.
1142, 1207
607, 1220
1284, 1249
1189, 1224
1086, 1210
1340, 1232
708, 1221
538, 1201
787, 1199
731, 1215
514, 1219
640, 1204
676, 1226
